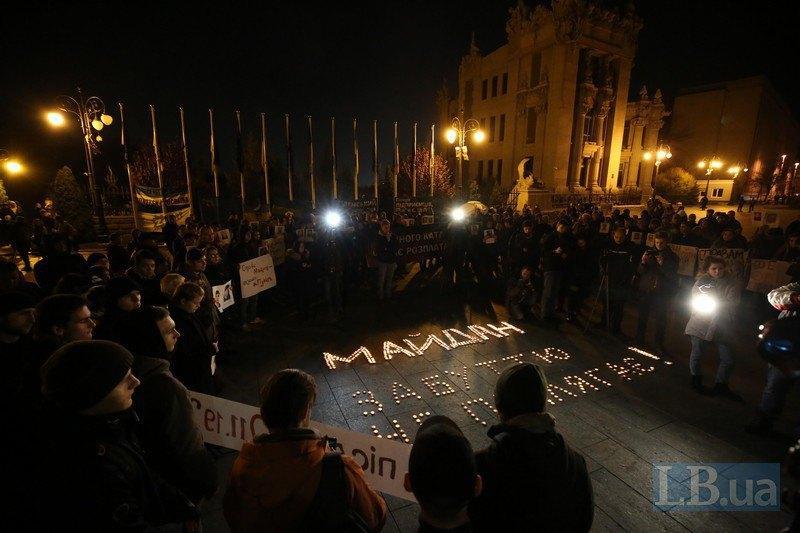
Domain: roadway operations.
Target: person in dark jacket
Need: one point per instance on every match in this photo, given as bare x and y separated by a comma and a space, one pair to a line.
194, 352
617, 263
556, 250
174, 444
241, 252
97, 477
523, 249
386, 247
194, 271
582, 273
442, 475
123, 301
118, 256
657, 277
519, 295
143, 272
532, 480
333, 267
730, 239
60, 261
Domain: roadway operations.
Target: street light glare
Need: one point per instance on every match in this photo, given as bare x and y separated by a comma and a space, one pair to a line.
647, 156
458, 214
451, 135
661, 154
701, 164
734, 170
55, 119
333, 219
479, 136
716, 163
106, 119
13, 167
97, 124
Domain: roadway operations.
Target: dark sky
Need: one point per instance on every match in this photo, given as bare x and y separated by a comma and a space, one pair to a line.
371, 60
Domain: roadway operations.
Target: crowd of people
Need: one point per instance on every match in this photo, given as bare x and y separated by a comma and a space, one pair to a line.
102, 349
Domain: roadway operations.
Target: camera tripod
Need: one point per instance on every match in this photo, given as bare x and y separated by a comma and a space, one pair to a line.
603, 283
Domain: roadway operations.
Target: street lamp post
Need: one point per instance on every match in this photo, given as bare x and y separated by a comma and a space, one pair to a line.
92, 117
663, 152
710, 165
457, 135
8, 165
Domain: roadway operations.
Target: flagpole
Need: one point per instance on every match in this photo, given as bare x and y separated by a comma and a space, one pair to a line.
158, 162
240, 158
396, 161
311, 163
265, 158
186, 161
355, 154
414, 165
134, 202
333, 156
214, 169
375, 155
433, 147
289, 165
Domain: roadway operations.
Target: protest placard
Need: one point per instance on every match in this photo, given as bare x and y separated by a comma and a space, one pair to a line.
605, 227
223, 295
224, 237
427, 220
279, 230
257, 275
766, 275
687, 257
636, 237
489, 236
735, 260
276, 247
417, 242
229, 424
650, 241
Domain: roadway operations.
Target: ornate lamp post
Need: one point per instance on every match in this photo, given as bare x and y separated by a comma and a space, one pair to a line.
457, 135
663, 152
710, 165
92, 117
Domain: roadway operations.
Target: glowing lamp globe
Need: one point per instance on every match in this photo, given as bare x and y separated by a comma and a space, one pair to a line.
333, 219
97, 124
704, 304
55, 118
451, 135
458, 214
13, 167
479, 136
106, 119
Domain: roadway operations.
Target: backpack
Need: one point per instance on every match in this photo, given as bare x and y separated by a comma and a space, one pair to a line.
329, 509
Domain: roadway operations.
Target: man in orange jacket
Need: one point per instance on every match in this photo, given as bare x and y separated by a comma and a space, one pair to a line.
285, 480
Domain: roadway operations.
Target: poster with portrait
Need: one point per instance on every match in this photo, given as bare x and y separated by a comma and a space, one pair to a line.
605, 227
489, 236
650, 240
223, 295
224, 237
636, 237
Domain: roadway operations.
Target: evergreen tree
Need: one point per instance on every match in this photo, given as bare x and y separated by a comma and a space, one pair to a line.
71, 203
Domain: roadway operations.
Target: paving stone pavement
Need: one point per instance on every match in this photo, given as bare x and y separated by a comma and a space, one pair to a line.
620, 428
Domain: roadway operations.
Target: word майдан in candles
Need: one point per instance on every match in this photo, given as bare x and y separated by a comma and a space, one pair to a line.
453, 338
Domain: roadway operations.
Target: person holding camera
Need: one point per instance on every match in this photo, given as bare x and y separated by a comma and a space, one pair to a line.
715, 295
519, 295
657, 276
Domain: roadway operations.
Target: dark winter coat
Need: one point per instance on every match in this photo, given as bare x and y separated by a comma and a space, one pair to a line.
386, 247
532, 480
553, 245
173, 442
191, 361
92, 475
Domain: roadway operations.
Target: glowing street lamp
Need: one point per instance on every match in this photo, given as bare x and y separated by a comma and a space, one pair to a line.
92, 117
710, 165
663, 152
457, 135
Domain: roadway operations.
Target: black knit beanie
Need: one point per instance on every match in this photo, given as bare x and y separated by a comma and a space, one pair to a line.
116, 288
80, 374
520, 389
15, 301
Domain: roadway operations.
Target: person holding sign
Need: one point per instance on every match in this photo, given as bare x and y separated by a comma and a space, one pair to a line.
285, 480
714, 298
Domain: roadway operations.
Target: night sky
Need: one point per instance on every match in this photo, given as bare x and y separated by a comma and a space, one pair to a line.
371, 60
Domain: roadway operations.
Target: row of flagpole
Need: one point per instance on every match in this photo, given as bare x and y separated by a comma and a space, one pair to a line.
265, 159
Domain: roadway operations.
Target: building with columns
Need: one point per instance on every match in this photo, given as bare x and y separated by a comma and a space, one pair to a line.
553, 102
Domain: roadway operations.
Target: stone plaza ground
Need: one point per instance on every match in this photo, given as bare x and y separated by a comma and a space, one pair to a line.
620, 428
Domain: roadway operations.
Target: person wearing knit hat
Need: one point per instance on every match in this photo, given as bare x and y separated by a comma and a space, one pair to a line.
16, 316
442, 475
96, 473
124, 301
531, 478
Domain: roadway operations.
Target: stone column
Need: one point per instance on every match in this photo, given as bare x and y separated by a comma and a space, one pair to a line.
605, 97
637, 131
622, 66
584, 105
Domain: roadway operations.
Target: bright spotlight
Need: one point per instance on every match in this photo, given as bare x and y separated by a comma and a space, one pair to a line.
458, 214
333, 219
704, 304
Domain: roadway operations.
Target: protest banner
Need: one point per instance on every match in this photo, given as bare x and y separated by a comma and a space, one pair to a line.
230, 424
427, 220
735, 260
413, 206
151, 216
687, 257
766, 275
306, 235
416, 242
276, 247
360, 206
256, 275
223, 295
